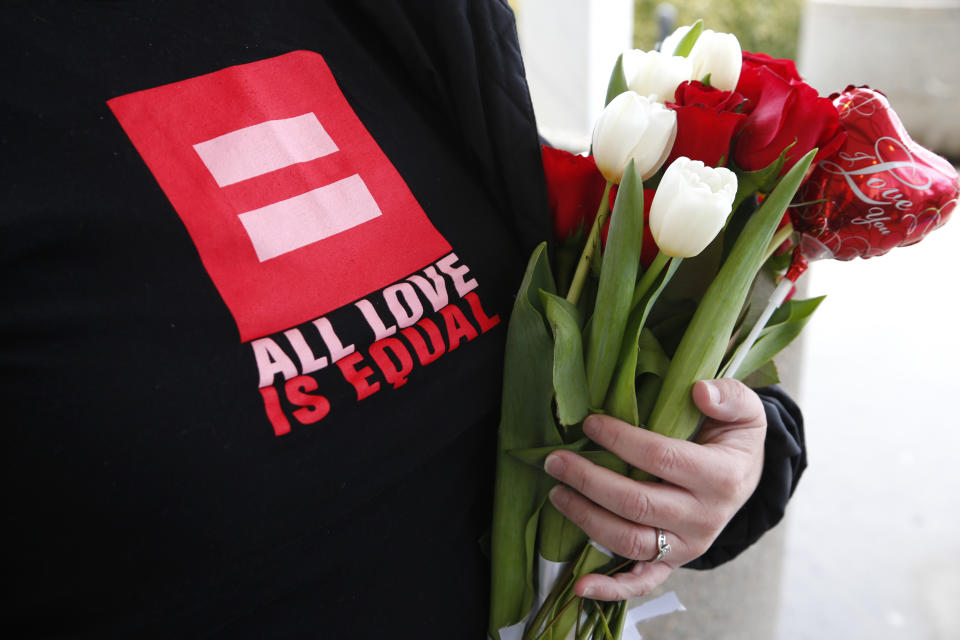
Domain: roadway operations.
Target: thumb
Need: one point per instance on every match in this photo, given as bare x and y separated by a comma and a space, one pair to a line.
728, 400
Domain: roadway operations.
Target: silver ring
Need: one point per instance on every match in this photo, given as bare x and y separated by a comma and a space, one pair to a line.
662, 547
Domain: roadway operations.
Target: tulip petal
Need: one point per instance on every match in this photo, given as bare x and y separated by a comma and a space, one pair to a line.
633, 127
691, 206
718, 55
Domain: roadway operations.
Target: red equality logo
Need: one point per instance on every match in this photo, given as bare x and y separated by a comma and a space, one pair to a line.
293, 207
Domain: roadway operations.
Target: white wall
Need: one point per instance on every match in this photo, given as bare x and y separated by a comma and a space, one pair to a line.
908, 49
569, 48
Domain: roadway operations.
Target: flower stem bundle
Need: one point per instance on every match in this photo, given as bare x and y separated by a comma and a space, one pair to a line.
662, 294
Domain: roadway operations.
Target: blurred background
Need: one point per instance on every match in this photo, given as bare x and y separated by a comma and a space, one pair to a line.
870, 547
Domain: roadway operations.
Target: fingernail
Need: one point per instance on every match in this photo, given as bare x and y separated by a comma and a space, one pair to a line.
712, 391
558, 496
553, 465
590, 426
588, 592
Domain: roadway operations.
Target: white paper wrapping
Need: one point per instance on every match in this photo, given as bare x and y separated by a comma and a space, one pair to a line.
548, 572
667, 603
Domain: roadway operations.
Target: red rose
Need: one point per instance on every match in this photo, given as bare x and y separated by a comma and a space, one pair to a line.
707, 119
574, 189
784, 68
782, 110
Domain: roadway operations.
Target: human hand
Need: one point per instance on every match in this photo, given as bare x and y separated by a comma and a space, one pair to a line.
704, 483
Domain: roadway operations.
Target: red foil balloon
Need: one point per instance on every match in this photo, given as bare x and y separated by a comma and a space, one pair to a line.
879, 191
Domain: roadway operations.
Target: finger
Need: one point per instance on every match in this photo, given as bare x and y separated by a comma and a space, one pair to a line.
639, 581
651, 503
677, 461
624, 538
729, 401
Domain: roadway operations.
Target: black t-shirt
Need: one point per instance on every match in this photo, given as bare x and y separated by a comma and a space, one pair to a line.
257, 264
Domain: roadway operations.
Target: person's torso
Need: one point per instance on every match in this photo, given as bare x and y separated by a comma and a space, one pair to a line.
256, 279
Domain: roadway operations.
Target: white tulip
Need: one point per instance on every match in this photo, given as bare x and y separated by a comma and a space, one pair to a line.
690, 207
714, 53
633, 127
654, 74
719, 55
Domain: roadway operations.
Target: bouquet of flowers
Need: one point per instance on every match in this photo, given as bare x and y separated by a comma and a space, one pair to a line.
707, 165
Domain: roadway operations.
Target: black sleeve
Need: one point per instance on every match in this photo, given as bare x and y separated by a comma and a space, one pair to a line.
785, 458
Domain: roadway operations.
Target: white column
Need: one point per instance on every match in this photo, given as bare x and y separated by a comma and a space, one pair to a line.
908, 49
569, 48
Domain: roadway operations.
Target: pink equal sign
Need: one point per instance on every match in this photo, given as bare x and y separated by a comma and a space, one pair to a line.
293, 207
281, 227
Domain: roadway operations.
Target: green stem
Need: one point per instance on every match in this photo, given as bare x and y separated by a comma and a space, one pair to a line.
649, 277
586, 629
619, 619
562, 586
563, 583
603, 619
556, 618
576, 626
593, 242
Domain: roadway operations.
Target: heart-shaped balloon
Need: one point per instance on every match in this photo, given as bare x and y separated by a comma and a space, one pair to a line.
879, 191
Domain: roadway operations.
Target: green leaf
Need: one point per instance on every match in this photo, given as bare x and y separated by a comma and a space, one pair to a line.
705, 341
652, 366
648, 389
526, 413
784, 326
765, 376
618, 277
560, 540
621, 399
530, 527
534, 456
761, 180
618, 81
597, 263
672, 318
569, 375
779, 262
526, 421
650, 355
606, 459
685, 46
736, 222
